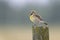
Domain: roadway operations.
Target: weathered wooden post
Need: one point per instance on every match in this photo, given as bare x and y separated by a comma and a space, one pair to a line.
40, 33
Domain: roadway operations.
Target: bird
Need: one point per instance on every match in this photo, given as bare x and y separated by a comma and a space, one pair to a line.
36, 19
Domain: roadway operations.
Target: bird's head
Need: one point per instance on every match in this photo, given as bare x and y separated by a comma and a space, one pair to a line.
33, 13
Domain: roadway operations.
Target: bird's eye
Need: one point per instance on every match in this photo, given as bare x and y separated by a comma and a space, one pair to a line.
31, 13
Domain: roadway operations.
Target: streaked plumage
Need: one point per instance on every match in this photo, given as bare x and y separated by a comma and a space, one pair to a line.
36, 19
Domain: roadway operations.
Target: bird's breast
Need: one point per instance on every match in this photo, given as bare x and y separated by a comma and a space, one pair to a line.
32, 18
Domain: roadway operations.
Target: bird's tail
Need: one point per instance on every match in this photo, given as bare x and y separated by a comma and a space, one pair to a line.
45, 23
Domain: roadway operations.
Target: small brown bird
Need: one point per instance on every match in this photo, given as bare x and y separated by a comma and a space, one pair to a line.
36, 19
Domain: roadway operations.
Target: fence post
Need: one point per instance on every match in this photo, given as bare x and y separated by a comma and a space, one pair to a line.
40, 33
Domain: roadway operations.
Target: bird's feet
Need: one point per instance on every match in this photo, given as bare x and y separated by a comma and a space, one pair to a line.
34, 25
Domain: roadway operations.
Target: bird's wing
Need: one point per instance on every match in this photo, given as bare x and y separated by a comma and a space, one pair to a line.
39, 17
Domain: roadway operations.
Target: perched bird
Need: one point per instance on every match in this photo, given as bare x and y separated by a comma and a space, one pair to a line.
36, 19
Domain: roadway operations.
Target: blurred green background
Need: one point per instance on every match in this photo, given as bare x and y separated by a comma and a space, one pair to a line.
14, 16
